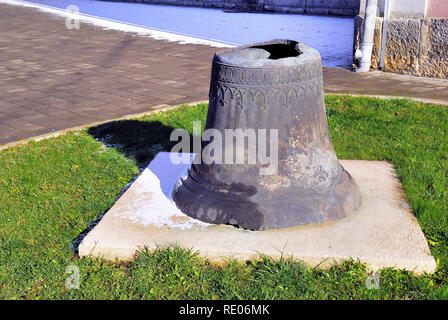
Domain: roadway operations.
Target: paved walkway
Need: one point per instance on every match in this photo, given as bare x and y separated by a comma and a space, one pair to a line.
52, 78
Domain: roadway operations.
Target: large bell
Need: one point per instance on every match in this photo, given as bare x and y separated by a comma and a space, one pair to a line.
276, 85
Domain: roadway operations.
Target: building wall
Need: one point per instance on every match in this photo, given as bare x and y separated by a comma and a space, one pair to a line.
414, 46
408, 8
437, 9
400, 8
412, 8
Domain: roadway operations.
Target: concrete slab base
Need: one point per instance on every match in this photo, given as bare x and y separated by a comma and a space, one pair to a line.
382, 233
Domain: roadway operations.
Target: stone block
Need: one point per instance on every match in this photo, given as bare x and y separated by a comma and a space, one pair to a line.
433, 58
402, 46
382, 233
293, 6
340, 7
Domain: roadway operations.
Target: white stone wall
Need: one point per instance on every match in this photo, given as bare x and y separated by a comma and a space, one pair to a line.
400, 8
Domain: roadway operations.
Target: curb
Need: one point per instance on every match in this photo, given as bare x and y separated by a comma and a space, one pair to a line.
166, 107
158, 108
442, 103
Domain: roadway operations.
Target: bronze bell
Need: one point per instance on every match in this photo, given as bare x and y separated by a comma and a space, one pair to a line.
277, 86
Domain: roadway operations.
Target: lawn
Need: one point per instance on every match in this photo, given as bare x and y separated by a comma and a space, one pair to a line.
52, 190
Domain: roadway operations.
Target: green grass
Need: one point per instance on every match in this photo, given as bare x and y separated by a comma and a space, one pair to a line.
50, 191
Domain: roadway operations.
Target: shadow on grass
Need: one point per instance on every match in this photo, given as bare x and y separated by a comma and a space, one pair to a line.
138, 140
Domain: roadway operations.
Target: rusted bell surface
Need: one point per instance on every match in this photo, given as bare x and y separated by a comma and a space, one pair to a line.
272, 85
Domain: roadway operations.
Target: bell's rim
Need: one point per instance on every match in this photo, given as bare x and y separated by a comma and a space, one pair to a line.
269, 54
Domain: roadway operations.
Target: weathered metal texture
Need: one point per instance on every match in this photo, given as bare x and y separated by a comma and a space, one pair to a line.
271, 85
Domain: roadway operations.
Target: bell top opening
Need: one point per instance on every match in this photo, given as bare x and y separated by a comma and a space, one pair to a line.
268, 51
275, 53
280, 50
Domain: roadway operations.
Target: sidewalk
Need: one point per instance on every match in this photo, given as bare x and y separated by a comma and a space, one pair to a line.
378, 83
52, 78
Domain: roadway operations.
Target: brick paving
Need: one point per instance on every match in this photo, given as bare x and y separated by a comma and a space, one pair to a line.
52, 78
380, 83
